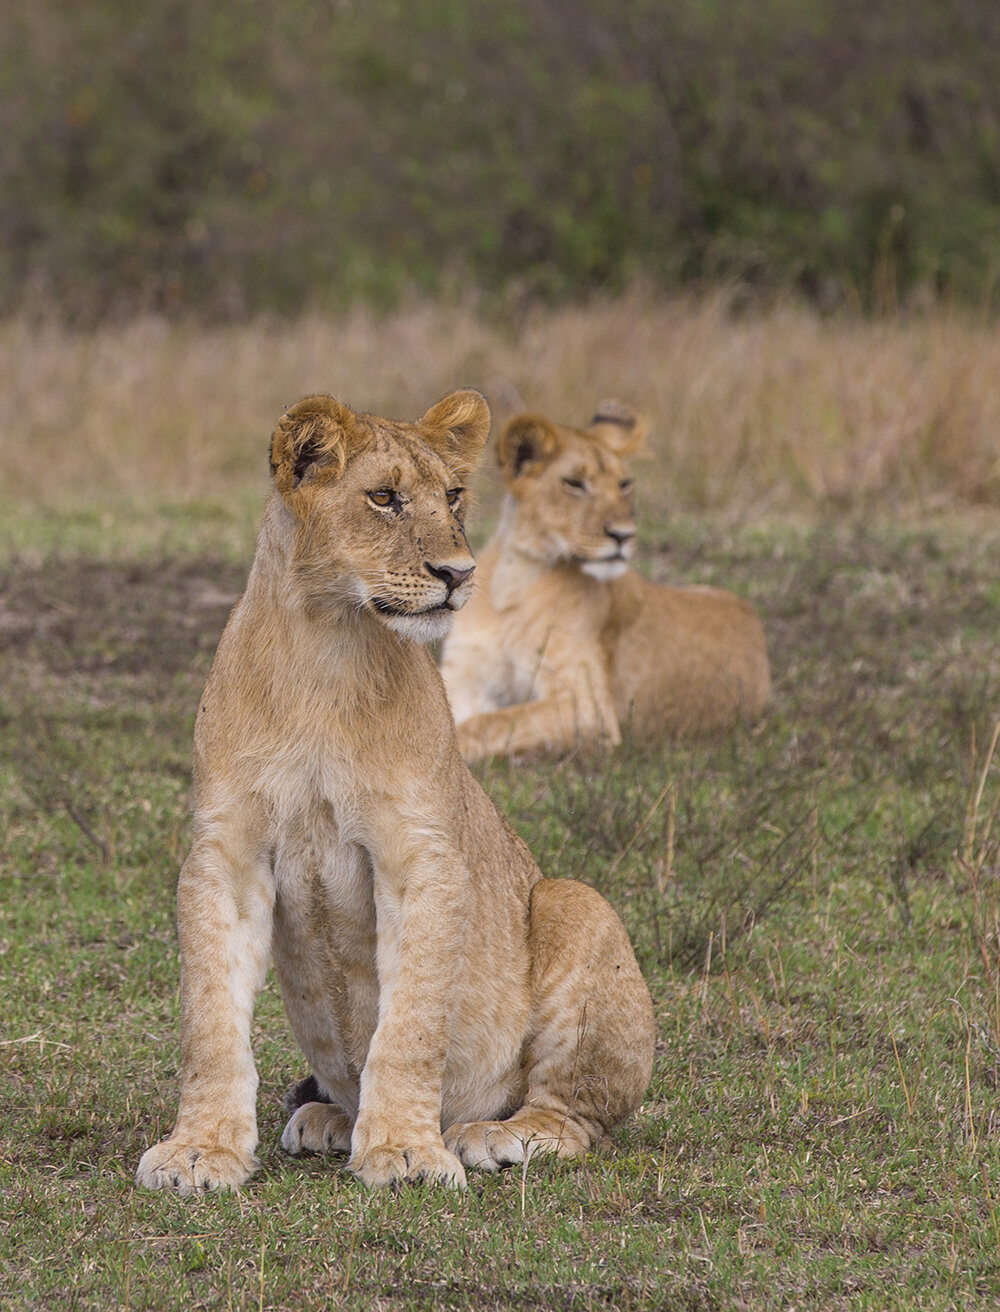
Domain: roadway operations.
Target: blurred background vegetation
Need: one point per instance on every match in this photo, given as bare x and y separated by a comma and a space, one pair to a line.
289, 155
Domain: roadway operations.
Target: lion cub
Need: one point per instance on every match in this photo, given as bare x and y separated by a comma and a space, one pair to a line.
563, 643
456, 1008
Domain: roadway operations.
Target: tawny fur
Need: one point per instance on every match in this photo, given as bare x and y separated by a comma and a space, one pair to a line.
563, 643
456, 1009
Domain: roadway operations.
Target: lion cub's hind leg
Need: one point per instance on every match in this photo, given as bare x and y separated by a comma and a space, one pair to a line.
316, 1125
589, 1054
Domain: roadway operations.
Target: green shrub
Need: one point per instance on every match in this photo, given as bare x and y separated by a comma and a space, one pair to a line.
277, 156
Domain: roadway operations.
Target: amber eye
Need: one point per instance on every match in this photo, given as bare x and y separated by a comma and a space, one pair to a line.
383, 496
454, 495
574, 484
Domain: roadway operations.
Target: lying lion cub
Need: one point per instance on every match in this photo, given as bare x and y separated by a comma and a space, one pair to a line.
563, 643
456, 1008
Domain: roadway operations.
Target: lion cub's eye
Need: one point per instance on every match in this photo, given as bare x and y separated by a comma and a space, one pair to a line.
382, 497
454, 495
574, 485
625, 486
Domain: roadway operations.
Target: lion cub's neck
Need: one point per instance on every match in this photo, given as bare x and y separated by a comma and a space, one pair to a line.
513, 572
324, 649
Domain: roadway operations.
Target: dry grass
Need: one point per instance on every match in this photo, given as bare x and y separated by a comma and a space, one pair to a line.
779, 410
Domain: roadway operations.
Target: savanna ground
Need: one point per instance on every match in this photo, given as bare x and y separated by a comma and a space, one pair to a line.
814, 901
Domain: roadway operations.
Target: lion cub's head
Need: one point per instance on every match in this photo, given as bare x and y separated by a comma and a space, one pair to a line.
376, 508
571, 489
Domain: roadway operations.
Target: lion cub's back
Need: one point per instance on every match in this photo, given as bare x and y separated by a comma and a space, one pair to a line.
685, 659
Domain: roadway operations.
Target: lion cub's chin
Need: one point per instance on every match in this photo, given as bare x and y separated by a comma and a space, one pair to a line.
605, 570
427, 627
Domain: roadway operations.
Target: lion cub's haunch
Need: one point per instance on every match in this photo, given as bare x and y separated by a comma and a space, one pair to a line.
456, 1008
563, 642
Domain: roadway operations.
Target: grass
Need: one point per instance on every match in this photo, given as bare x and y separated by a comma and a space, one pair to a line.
820, 934
814, 901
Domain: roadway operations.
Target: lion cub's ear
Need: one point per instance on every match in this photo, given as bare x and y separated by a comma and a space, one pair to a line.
618, 428
312, 437
527, 440
457, 427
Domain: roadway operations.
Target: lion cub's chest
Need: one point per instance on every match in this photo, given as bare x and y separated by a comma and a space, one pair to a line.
543, 621
324, 941
323, 881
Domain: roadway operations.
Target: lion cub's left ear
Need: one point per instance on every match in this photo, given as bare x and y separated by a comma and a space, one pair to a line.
618, 428
457, 428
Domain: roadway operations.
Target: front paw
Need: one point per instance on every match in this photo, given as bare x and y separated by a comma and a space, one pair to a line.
487, 1145
387, 1163
317, 1127
189, 1168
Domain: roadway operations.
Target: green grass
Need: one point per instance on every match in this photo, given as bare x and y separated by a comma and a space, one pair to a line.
814, 902
130, 527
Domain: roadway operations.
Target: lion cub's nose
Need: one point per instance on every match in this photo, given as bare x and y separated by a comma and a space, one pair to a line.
449, 575
619, 534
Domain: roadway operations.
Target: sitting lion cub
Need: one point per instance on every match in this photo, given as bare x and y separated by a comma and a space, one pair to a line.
456, 1008
562, 642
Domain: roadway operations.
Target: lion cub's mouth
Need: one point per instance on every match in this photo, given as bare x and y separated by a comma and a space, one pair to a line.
619, 558
427, 625
602, 560
387, 608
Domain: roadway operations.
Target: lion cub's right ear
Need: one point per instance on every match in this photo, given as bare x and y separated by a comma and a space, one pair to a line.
618, 428
311, 440
527, 440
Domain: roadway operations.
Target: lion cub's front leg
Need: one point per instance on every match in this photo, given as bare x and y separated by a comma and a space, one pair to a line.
397, 1135
572, 704
421, 917
225, 902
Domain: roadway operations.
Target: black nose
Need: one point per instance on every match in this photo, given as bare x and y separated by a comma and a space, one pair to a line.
620, 535
449, 575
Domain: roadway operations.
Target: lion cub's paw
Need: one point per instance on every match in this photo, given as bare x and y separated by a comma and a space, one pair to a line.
317, 1127
486, 1144
188, 1169
388, 1164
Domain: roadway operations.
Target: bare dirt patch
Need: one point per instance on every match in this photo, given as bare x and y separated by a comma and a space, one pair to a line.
153, 620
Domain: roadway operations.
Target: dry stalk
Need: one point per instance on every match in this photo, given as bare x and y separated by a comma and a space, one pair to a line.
783, 411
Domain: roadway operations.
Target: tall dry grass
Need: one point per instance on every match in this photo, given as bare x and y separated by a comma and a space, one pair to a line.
780, 410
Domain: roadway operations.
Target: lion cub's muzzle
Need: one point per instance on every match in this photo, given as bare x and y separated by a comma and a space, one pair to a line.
424, 611
613, 560
452, 577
